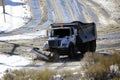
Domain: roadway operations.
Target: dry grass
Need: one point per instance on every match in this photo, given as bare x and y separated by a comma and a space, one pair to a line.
97, 68
101, 67
29, 75
46, 74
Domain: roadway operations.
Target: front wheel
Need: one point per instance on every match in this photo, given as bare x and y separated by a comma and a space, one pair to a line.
71, 51
84, 47
54, 56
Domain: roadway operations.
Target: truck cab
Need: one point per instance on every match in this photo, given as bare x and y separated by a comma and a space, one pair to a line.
60, 39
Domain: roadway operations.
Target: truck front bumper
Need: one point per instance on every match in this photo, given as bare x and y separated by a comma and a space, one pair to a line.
59, 50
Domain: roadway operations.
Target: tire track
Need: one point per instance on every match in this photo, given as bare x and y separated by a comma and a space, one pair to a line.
56, 66
64, 10
32, 23
102, 10
93, 16
34, 30
71, 11
58, 14
77, 10
109, 36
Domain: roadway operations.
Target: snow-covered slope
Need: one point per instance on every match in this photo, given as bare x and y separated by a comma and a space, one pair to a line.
12, 62
17, 14
102, 12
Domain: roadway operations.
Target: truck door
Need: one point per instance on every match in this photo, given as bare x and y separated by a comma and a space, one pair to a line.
72, 37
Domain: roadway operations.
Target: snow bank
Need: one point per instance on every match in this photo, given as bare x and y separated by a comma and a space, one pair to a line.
12, 62
17, 13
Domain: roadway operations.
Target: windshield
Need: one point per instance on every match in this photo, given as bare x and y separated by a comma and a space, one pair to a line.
60, 33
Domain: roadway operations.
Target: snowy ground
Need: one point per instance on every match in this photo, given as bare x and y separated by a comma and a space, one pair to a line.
14, 20
66, 12
12, 62
17, 14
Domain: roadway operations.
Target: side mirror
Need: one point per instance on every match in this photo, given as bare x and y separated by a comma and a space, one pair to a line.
48, 33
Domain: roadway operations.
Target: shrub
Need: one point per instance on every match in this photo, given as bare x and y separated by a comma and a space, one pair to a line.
29, 75
101, 67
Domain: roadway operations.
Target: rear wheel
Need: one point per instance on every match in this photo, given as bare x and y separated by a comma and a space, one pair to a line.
84, 47
93, 46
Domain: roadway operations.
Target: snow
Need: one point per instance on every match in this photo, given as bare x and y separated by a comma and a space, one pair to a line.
42, 33
17, 13
91, 13
26, 31
65, 11
12, 62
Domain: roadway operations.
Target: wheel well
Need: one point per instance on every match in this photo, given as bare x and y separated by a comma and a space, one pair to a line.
71, 44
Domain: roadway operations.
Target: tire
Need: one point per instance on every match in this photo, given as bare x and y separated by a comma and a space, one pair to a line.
84, 47
71, 51
54, 57
93, 46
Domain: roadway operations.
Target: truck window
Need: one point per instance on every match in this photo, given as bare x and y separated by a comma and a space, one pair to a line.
60, 33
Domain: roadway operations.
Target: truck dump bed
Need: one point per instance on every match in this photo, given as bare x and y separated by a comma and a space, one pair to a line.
86, 31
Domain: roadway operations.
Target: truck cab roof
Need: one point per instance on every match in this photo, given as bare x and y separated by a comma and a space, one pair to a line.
61, 28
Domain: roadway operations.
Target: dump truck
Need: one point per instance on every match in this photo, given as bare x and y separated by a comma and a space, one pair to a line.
70, 38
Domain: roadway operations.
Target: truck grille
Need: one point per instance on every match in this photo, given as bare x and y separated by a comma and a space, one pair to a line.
54, 43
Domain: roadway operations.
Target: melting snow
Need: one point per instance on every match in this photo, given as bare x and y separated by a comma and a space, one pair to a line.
12, 62
17, 13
